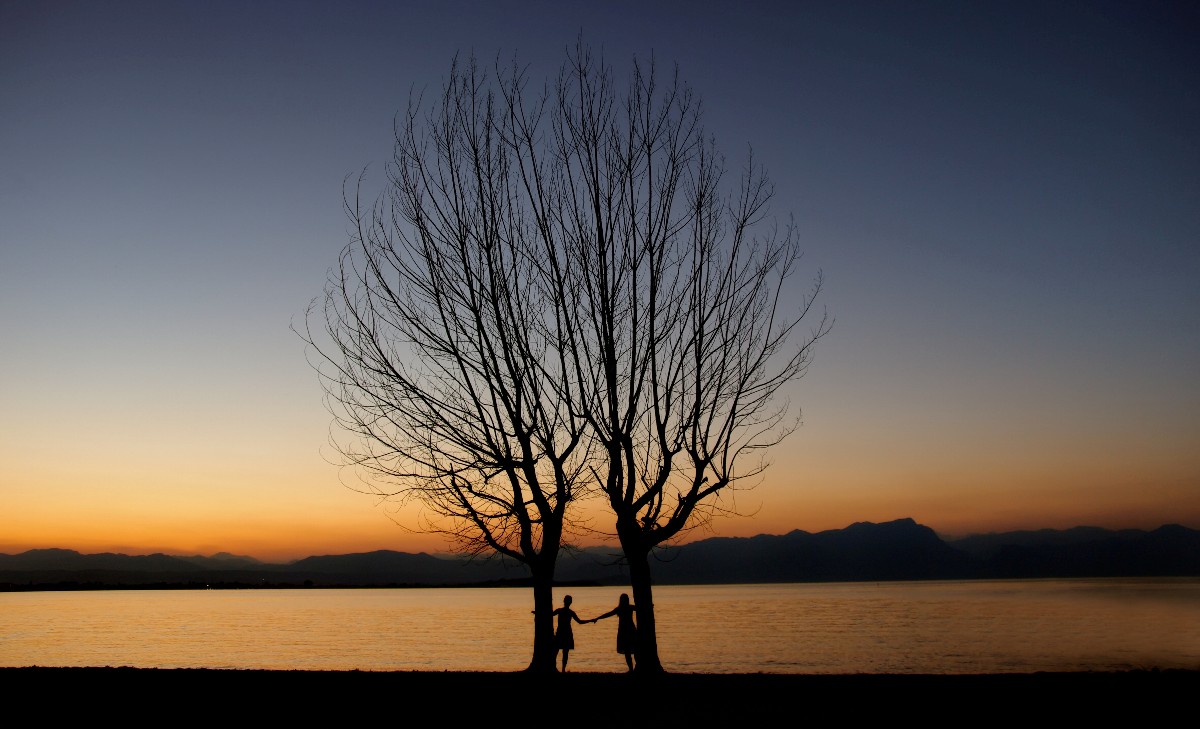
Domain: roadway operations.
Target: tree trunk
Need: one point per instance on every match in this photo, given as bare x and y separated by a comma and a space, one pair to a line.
646, 658
545, 651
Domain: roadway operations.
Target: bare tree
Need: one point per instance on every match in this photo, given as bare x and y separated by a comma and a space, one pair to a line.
559, 297
439, 356
682, 326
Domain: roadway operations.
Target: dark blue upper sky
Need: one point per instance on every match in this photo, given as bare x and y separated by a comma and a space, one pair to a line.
1003, 196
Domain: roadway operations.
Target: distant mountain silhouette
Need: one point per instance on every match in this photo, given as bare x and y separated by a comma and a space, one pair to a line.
1086, 552
224, 561
56, 559
895, 550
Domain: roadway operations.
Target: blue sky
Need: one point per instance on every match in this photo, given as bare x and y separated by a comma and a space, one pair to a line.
1004, 198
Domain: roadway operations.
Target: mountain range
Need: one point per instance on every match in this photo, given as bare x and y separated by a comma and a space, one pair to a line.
864, 551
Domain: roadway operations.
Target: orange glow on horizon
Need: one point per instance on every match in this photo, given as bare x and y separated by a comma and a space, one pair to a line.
292, 504
352, 522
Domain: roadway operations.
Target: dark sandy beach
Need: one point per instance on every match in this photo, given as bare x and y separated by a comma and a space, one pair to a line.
592, 699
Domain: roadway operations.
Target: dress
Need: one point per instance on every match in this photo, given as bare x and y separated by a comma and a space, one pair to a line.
564, 638
626, 630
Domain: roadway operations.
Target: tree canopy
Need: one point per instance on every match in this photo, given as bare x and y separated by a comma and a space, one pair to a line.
564, 294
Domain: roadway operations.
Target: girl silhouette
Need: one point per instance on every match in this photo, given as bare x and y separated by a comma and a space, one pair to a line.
626, 628
564, 638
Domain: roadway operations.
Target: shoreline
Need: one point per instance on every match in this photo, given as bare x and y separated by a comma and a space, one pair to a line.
609, 699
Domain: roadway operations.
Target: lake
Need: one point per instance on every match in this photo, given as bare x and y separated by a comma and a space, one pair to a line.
950, 627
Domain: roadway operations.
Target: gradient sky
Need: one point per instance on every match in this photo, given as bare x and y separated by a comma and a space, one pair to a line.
1004, 198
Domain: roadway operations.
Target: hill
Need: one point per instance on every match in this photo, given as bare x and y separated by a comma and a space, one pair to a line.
895, 550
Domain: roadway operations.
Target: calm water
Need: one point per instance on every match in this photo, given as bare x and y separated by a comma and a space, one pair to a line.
906, 627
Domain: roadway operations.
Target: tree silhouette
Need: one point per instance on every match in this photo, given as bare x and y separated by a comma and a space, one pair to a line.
680, 318
440, 360
558, 297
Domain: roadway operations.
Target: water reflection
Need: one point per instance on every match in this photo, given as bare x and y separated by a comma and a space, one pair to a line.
904, 627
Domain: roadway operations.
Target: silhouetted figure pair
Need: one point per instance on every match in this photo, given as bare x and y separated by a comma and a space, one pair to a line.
564, 635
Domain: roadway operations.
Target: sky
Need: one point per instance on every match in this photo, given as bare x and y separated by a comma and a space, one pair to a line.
1003, 198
